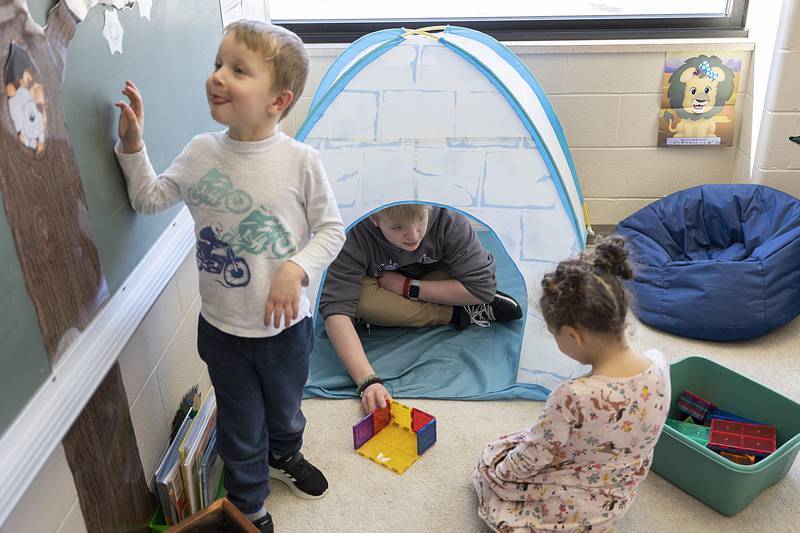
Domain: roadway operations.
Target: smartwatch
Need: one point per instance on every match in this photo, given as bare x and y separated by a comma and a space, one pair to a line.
413, 290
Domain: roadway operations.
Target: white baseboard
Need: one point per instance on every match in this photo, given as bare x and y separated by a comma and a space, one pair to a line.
39, 428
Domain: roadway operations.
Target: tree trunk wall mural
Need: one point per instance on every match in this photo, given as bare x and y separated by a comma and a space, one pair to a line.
39, 178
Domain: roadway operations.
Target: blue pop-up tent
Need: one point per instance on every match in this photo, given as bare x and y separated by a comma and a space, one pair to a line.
450, 116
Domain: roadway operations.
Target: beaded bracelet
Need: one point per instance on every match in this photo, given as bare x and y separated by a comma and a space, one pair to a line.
372, 379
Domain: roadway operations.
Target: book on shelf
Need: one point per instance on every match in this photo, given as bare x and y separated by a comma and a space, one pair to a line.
210, 472
188, 451
170, 493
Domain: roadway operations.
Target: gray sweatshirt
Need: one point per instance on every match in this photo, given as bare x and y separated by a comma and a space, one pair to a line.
255, 206
450, 244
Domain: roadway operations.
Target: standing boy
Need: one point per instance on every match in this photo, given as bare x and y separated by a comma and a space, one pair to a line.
256, 196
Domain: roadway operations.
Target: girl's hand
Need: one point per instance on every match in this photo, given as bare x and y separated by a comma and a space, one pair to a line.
375, 396
284, 295
131, 119
392, 282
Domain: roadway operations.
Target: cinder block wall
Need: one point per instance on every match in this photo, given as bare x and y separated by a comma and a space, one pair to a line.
777, 159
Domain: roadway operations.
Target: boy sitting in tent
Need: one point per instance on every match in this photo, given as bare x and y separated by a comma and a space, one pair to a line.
409, 265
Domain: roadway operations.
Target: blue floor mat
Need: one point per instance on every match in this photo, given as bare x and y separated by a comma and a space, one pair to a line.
437, 362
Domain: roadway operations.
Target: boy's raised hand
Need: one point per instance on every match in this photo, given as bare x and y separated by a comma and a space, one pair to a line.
131, 119
284, 295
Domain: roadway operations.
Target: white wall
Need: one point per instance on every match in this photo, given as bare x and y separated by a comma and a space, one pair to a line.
762, 24
160, 363
51, 502
777, 161
742, 162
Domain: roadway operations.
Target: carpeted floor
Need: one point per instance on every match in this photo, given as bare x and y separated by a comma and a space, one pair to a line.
435, 494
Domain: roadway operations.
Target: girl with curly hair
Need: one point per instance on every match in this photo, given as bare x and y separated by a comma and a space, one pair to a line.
579, 467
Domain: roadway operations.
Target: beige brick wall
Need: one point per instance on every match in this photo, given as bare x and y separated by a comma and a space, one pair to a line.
51, 502
610, 121
160, 363
777, 161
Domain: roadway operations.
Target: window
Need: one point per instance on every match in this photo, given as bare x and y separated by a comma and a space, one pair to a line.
346, 20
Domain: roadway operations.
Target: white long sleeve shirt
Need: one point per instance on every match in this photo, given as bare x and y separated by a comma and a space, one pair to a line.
255, 206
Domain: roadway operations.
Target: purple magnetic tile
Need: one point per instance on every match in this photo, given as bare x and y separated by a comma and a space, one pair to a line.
362, 431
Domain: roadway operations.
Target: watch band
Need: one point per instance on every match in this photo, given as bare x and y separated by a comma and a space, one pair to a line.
406, 285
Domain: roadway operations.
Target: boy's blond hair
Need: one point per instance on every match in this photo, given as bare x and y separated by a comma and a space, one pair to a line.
281, 47
403, 214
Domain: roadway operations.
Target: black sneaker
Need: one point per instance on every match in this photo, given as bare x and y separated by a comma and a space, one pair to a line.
305, 479
264, 524
502, 309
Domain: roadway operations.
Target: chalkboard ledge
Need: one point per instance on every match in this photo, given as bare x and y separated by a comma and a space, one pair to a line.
42, 424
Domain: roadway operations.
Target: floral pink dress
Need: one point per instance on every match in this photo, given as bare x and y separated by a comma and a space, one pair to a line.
579, 467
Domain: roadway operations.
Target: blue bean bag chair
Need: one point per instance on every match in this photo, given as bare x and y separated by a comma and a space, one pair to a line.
716, 262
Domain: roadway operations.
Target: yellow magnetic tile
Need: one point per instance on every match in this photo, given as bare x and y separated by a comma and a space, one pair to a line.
371, 448
401, 438
393, 447
401, 414
388, 456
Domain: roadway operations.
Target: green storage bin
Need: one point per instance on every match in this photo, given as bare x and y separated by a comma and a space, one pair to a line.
158, 524
719, 483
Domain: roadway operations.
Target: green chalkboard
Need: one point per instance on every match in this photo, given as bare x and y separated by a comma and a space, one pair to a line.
24, 364
168, 57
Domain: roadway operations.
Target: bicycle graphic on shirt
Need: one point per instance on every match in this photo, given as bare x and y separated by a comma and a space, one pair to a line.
215, 190
217, 257
260, 232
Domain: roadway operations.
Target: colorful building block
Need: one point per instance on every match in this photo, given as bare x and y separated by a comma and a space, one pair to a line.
426, 436
694, 406
399, 436
738, 437
419, 419
380, 419
739, 458
725, 415
693, 431
363, 431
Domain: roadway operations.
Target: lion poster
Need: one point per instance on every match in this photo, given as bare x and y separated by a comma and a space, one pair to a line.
698, 99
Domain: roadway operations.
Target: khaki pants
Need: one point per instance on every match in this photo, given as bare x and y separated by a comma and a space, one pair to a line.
384, 308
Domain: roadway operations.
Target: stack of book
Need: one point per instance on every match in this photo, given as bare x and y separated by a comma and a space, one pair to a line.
189, 474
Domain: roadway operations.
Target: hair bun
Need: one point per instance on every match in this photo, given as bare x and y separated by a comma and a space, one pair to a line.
564, 284
611, 255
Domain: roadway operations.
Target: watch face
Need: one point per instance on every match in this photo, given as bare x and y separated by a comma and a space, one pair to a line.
413, 291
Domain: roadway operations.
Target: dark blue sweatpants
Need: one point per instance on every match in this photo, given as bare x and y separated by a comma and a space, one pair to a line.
259, 386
